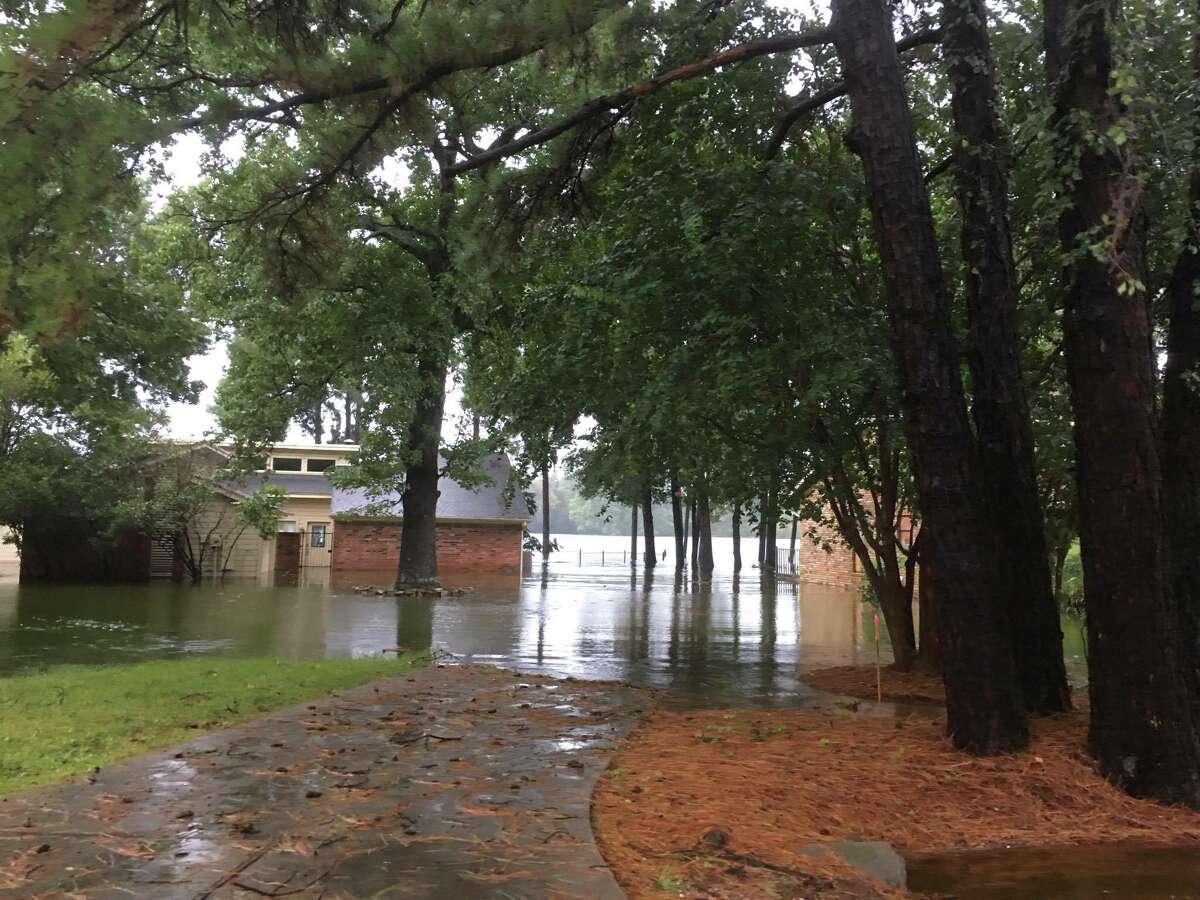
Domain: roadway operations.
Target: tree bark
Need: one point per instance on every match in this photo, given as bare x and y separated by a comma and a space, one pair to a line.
1000, 408
762, 530
929, 654
770, 526
650, 554
633, 534
792, 544
689, 509
896, 605
1060, 563
677, 522
737, 537
985, 712
694, 511
704, 554
418, 534
1142, 730
1181, 415
545, 512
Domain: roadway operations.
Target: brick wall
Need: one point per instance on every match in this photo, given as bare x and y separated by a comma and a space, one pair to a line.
823, 557
474, 548
837, 566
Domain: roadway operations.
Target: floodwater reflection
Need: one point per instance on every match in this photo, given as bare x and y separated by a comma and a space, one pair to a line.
734, 640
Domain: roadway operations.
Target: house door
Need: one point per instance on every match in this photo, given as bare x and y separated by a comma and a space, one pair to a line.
317, 544
287, 551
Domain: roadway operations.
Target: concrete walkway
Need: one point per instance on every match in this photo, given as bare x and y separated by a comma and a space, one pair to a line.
456, 782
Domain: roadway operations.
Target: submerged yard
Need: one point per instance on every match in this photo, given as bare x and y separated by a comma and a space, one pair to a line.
71, 719
746, 672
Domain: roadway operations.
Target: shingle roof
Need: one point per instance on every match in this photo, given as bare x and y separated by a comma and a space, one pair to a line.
488, 501
310, 484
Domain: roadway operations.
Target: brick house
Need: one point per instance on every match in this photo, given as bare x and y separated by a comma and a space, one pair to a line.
480, 530
824, 557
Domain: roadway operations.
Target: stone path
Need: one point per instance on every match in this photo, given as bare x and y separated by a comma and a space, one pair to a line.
457, 782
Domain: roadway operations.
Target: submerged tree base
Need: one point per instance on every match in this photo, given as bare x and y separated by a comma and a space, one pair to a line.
710, 801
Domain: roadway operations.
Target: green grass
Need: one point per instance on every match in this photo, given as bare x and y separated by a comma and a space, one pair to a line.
70, 719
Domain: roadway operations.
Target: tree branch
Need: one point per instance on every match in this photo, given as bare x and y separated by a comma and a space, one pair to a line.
597, 105
815, 101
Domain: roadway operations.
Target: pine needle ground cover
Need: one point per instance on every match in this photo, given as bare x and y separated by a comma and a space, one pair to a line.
770, 782
70, 719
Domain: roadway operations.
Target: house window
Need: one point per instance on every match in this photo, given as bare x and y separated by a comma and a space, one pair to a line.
319, 465
286, 464
316, 535
287, 527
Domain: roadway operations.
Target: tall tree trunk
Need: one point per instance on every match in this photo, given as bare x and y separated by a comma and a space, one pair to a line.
737, 537
895, 602
929, 653
650, 554
545, 512
772, 523
677, 522
689, 514
1142, 730
704, 555
762, 530
1181, 414
694, 510
792, 545
418, 534
994, 355
1060, 563
985, 711
633, 513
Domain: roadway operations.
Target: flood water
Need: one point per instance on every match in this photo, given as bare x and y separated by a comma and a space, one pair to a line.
1124, 872
734, 640
731, 641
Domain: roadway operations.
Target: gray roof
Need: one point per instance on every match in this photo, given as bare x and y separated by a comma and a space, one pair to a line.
295, 483
487, 501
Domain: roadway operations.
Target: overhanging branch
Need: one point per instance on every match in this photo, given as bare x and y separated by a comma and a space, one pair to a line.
815, 101
597, 105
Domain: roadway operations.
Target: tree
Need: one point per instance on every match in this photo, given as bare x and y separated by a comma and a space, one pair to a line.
1142, 730
1181, 406
999, 406
984, 709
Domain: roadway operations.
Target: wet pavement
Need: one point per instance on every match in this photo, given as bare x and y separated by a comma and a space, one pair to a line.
448, 782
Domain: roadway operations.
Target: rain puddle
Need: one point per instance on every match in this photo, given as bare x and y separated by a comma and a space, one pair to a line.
1125, 871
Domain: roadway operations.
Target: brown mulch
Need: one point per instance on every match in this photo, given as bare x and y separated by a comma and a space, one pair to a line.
772, 781
898, 687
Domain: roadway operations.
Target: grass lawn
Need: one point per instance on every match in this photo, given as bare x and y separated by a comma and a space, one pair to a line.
68, 720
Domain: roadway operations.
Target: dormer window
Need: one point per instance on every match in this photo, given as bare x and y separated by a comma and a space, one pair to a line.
285, 464
318, 465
